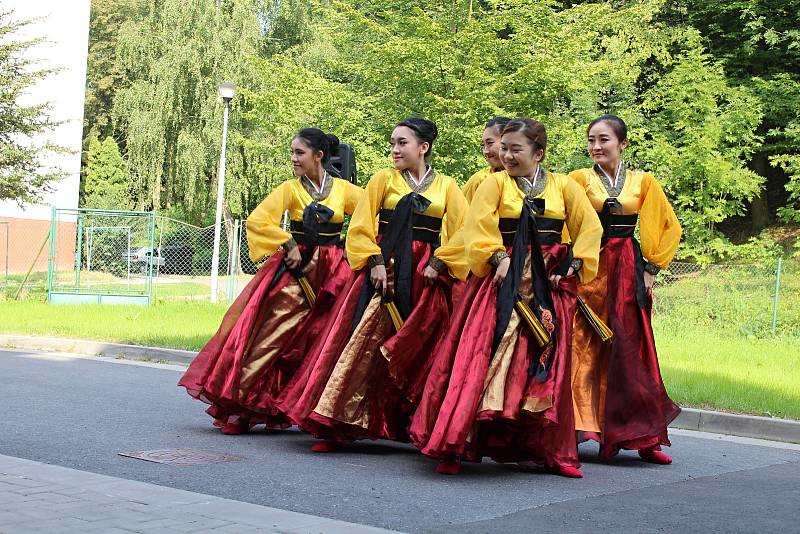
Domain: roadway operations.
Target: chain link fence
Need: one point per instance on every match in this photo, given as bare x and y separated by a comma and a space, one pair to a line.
23, 258
758, 299
755, 299
119, 253
185, 254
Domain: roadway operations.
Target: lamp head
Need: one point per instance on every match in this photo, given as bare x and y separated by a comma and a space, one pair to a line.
227, 91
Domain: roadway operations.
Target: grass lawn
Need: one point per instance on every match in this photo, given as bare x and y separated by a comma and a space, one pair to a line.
705, 369
702, 367
180, 325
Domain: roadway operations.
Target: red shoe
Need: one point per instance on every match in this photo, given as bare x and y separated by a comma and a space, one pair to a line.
448, 467
326, 446
239, 426
655, 456
566, 471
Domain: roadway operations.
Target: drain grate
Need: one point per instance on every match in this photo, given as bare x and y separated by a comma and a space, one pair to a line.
181, 456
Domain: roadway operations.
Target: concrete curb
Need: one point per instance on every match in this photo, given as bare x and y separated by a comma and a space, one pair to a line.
96, 348
750, 426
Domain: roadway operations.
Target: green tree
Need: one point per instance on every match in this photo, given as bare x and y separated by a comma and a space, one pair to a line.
24, 173
758, 42
459, 64
104, 76
175, 56
106, 177
699, 118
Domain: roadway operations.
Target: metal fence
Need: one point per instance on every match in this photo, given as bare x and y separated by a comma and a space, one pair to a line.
100, 256
185, 255
121, 253
756, 299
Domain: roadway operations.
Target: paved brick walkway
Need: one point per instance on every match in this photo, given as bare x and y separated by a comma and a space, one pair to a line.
38, 497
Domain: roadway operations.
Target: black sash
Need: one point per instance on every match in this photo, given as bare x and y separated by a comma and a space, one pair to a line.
327, 233
548, 230
424, 227
397, 236
316, 221
617, 225
526, 233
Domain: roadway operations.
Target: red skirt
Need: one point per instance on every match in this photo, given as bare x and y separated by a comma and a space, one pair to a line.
263, 337
362, 385
620, 398
475, 404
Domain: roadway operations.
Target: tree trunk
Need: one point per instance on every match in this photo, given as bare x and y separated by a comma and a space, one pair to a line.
759, 209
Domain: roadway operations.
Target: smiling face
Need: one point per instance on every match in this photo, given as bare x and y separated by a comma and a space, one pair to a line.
518, 155
605, 148
305, 159
490, 143
407, 151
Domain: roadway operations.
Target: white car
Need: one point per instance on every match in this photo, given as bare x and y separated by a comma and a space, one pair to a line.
144, 256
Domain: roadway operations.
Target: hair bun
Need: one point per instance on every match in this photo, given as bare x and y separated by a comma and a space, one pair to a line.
333, 141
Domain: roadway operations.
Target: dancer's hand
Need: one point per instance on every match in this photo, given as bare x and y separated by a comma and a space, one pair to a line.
555, 279
501, 271
649, 280
377, 275
293, 258
430, 274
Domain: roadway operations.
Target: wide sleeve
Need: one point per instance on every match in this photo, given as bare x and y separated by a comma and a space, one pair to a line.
481, 232
659, 229
264, 234
361, 242
580, 177
451, 251
584, 228
352, 196
472, 185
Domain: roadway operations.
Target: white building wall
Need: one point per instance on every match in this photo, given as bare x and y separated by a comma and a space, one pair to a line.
65, 28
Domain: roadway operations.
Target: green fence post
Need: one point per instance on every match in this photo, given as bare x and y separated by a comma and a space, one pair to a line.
51, 255
775, 301
151, 238
79, 251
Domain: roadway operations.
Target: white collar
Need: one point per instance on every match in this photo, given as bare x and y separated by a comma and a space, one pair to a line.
613, 180
428, 170
321, 187
535, 176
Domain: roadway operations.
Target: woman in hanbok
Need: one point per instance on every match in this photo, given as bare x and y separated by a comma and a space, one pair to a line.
265, 333
499, 385
619, 396
490, 146
365, 375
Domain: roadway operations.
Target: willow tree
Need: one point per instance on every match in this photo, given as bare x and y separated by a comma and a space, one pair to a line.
104, 77
174, 57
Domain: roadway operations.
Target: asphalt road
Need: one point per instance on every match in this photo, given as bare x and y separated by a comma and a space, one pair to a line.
80, 413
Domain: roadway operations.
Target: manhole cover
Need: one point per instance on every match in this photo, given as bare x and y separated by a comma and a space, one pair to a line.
181, 456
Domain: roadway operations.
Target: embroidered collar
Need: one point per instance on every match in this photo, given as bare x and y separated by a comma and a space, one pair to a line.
424, 184
535, 188
311, 188
613, 190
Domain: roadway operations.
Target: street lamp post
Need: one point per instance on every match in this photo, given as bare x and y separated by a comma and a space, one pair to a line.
226, 91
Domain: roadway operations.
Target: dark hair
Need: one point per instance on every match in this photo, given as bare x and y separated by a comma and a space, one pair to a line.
533, 130
499, 122
617, 124
424, 130
319, 140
